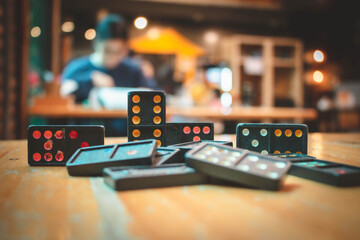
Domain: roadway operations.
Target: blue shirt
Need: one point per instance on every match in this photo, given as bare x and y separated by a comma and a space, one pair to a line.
126, 74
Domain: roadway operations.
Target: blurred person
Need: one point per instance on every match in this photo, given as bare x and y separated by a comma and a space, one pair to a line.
109, 65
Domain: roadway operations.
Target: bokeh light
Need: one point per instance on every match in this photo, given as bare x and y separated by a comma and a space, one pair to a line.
140, 22
35, 32
90, 34
318, 56
68, 27
318, 76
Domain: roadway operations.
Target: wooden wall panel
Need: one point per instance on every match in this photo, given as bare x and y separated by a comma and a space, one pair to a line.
13, 67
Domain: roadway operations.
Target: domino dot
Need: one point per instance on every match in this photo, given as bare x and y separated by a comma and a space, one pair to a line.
263, 132
136, 133
36, 134
196, 138
340, 171
273, 174
135, 120
264, 152
288, 132
84, 144
136, 98
73, 134
236, 154
59, 134
48, 145
59, 156
157, 109
158, 143
48, 157
136, 109
255, 143
206, 130
244, 167
157, 133
298, 133
187, 130
253, 158
47, 134
276, 152
157, 120
132, 152
261, 166
157, 99
280, 165
196, 130
36, 157
278, 132
245, 132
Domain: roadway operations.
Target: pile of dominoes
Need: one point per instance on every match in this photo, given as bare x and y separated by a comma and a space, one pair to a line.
161, 154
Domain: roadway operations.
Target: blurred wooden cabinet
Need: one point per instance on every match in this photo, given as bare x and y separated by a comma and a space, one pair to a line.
267, 71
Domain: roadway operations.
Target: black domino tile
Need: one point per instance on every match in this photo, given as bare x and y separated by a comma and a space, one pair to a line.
238, 165
330, 173
53, 145
147, 116
141, 177
272, 138
91, 161
146, 108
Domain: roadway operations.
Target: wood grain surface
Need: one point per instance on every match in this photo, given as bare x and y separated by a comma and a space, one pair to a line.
45, 203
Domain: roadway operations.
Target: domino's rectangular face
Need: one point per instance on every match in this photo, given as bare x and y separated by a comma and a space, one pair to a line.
187, 132
327, 172
238, 165
147, 116
53, 145
92, 160
146, 108
272, 138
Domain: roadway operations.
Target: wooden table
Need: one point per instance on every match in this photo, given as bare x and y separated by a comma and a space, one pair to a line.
45, 203
235, 113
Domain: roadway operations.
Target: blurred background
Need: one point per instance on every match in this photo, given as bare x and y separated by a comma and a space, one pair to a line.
225, 61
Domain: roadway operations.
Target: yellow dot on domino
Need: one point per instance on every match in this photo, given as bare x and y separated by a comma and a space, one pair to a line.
135, 120
157, 99
136, 98
136, 133
157, 133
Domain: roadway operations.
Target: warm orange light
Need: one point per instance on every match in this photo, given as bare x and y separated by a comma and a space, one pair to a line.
35, 32
90, 34
318, 76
